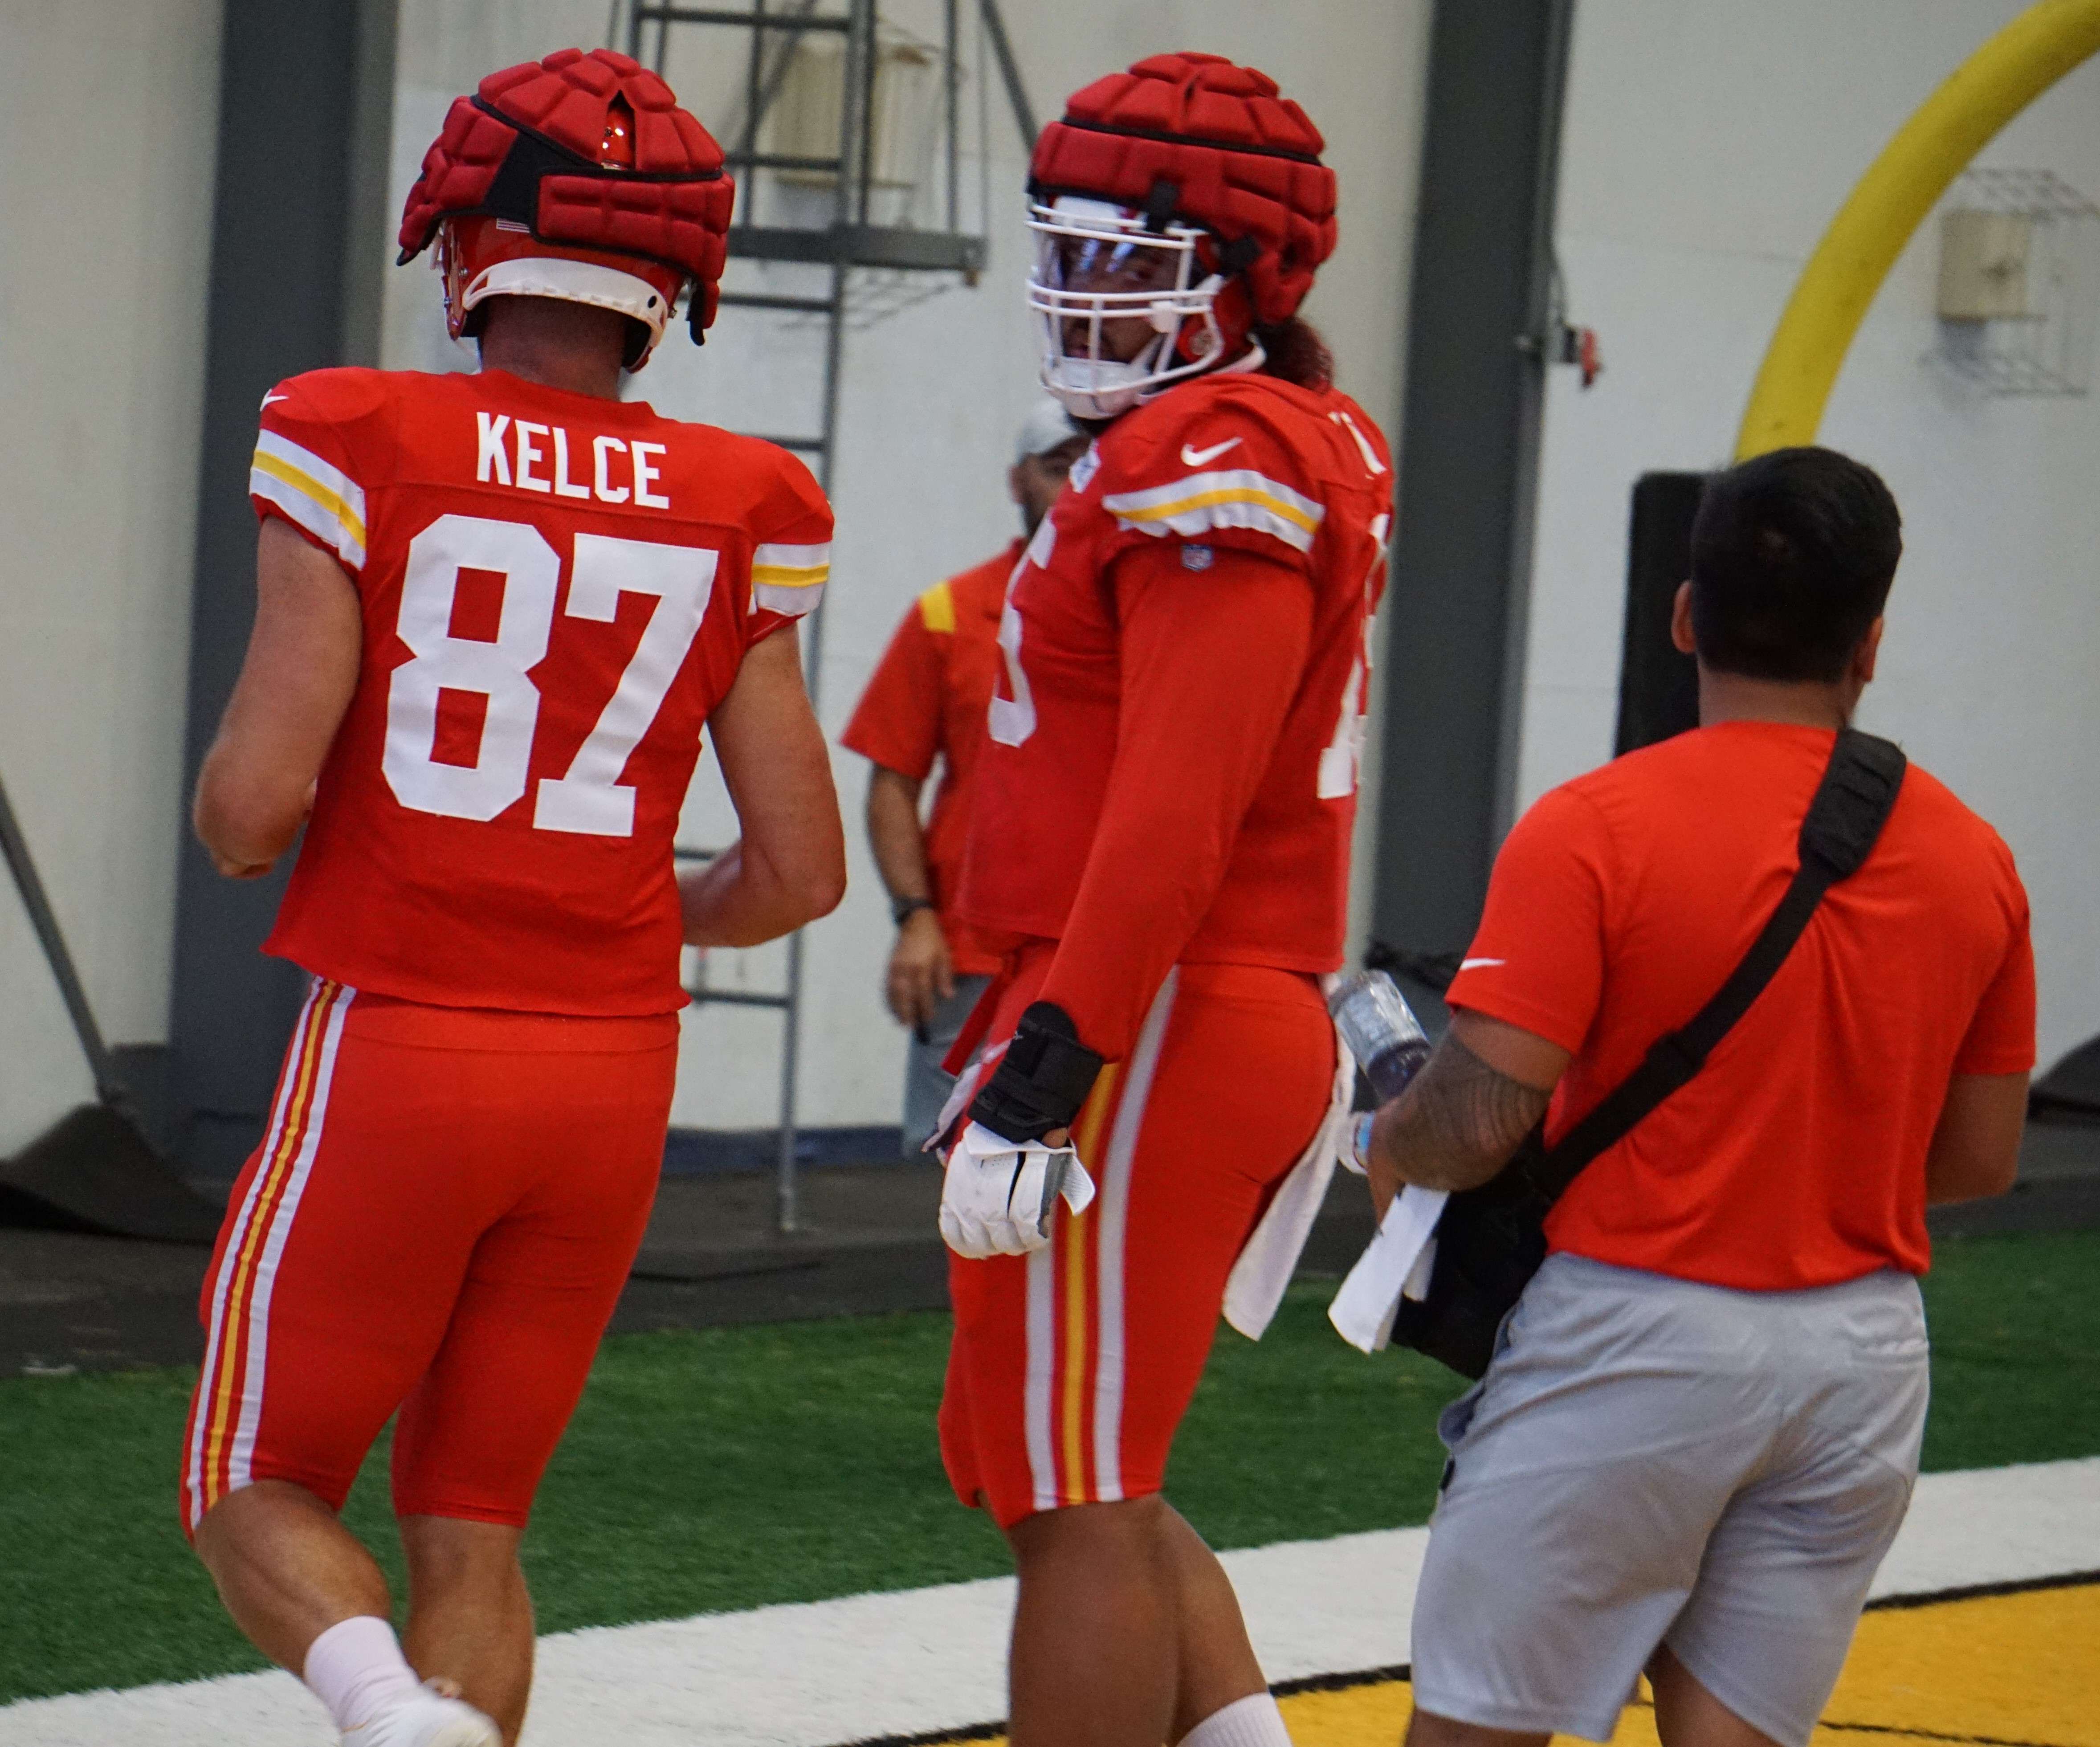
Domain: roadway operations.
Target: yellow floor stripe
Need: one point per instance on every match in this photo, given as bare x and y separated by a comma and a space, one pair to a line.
2021, 1668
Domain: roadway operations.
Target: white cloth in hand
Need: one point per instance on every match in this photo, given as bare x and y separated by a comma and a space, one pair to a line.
1395, 1264
999, 1194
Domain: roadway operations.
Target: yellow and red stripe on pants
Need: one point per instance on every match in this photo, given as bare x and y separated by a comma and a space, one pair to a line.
223, 1413
1072, 1365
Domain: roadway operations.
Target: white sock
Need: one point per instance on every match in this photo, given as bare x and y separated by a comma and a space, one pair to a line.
356, 1669
1251, 1722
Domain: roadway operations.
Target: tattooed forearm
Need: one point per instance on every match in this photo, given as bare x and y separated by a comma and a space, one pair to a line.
1457, 1125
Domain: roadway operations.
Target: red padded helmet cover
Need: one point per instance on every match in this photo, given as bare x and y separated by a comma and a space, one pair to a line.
529, 146
1245, 160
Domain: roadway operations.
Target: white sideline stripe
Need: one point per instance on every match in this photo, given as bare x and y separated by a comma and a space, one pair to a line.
817, 1674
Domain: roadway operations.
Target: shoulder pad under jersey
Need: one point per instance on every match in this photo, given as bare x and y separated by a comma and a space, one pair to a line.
1232, 455
322, 439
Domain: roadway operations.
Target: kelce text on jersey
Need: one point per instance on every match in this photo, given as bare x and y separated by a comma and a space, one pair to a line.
535, 458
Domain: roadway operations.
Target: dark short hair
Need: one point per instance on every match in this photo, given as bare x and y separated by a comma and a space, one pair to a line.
1792, 552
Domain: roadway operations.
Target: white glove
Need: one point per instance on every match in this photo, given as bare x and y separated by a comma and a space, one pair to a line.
999, 1194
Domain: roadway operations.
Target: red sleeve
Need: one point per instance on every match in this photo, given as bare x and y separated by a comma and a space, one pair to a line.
791, 558
314, 456
1538, 960
897, 720
2002, 1035
1211, 659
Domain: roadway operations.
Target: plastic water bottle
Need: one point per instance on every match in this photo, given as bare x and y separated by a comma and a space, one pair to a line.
1386, 1038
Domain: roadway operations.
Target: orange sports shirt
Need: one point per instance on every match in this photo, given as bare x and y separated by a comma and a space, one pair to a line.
1619, 905
926, 700
557, 590
1171, 775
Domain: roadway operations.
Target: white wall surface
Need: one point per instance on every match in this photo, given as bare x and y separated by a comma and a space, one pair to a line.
108, 114
930, 399
1707, 145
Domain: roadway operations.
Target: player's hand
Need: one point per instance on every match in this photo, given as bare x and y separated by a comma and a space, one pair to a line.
922, 973
234, 870
999, 1194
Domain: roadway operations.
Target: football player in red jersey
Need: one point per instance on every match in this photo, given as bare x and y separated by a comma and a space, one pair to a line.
495, 612
1162, 838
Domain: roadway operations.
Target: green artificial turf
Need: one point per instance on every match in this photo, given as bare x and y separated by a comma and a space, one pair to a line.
738, 1466
2015, 1350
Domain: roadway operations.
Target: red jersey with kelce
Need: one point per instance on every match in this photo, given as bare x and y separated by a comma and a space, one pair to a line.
1239, 462
557, 590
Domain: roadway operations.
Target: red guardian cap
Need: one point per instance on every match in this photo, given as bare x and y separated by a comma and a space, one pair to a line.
577, 177
1186, 191
1193, 137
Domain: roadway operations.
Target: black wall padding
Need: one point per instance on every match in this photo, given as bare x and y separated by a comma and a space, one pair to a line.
94, 1172
1658, 687
2072, 1087
1454, 618
287, 106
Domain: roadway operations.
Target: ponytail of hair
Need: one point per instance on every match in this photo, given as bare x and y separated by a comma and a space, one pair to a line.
1297, 354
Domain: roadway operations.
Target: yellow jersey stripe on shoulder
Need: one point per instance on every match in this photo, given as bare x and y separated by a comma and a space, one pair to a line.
790, 580
790, 601
812, 563
937, 610
319, 498
324, 473
1237, 497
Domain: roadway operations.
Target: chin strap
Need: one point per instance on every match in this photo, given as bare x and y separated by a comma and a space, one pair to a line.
1042, 1080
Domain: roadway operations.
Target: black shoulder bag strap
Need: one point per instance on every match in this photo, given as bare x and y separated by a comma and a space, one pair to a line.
1845, 820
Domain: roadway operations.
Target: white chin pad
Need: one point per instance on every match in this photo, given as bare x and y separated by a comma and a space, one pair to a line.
573, 282
1101, 388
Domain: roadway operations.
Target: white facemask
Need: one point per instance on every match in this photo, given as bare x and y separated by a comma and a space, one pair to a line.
1097, 263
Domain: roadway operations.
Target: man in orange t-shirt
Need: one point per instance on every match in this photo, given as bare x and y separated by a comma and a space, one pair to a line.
1698, 1433
926, 700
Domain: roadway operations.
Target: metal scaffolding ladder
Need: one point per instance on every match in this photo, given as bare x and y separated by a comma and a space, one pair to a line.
851, 240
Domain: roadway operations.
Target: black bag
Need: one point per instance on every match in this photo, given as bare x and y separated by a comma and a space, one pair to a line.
1491, 1240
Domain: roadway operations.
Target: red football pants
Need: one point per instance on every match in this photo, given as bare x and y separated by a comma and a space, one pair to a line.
1071, 1367
439, 1221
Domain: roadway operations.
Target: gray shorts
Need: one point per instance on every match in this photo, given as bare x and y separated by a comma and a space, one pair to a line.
927, 1084
1649, 1460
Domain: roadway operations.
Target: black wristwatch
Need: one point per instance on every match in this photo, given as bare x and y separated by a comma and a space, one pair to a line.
901, 908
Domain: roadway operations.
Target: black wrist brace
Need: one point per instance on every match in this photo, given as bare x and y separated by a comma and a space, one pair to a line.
1041, 1081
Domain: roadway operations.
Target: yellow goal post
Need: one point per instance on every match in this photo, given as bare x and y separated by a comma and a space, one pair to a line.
1808, 347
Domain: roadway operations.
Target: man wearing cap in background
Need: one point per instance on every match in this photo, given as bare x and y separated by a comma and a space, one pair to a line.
928, 699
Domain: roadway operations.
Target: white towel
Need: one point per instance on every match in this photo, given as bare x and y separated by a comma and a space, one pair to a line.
1398, 1260
1265, 1265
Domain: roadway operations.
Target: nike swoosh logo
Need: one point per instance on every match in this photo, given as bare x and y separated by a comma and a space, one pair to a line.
269, 399
1474, 964
1200, 457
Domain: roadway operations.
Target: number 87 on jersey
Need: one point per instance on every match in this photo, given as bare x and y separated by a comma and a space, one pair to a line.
555, 591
